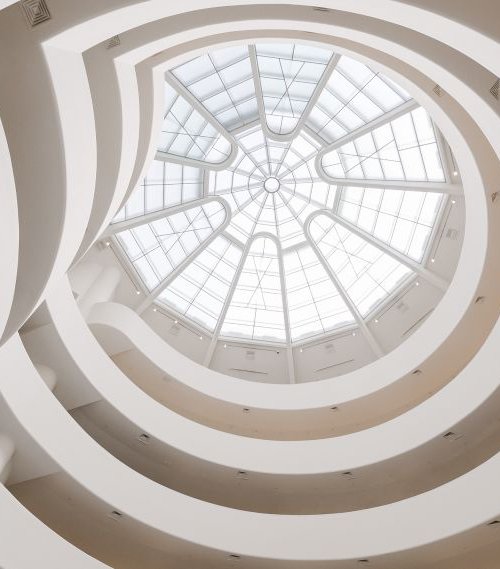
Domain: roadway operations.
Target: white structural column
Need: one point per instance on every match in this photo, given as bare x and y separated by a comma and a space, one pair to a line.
382, 120
225, 307
419, 269
154, 216
258, 90
284, 300
327, 73
185, 263
6, 453
370, 338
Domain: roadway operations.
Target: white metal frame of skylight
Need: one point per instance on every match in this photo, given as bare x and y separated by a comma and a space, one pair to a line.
390, 219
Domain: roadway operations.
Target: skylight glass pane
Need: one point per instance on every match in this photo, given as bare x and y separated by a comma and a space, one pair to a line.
403, 220
200, 290
404, 149
367, 274
157, 248
256, 309
186, 133
288, 76
354, 95
314, 304
165, 185
223, 82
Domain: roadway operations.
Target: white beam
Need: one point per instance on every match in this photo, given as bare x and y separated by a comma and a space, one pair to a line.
404, 108
154, 216
327, 73
225, 307
370, 338
195, 103
434, 187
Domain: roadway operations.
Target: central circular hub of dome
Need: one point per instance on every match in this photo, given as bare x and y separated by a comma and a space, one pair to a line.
272, 185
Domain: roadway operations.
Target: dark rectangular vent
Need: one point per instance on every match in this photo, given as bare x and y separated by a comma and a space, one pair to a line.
494, 523
115, 515
35, 11
495, 88
452, 436
113, 42
452, 234
438, 90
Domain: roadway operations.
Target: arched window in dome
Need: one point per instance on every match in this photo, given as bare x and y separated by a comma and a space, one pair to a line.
256, 307
157, 248
366, 273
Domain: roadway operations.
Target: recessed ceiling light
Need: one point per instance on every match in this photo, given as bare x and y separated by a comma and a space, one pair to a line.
137, 292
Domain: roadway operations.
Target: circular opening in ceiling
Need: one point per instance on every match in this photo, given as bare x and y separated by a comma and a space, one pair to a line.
348, 245
272, 185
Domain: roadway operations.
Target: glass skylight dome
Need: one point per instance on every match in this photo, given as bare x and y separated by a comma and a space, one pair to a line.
294, 191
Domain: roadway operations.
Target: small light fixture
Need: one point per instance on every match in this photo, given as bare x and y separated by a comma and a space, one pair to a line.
354, 333
376, 320
225, 345
176, 322
453, 202
455, 173
155, 309
201, 337
137, 291
433, 260
301, 350
108, 243
417, 283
